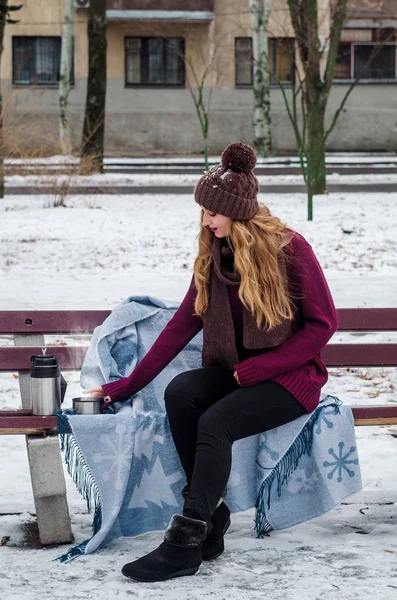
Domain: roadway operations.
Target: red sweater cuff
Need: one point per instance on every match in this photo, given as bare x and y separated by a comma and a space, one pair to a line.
247, 372
118, 390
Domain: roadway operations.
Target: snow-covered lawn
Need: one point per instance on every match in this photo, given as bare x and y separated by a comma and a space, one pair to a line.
100, 249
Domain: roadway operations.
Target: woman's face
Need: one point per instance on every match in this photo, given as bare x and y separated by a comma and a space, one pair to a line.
217, 223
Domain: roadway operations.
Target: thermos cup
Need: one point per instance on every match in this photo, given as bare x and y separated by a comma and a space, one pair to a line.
85, 405
47, 386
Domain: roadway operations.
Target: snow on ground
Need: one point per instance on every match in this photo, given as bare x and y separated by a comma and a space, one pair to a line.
99, 249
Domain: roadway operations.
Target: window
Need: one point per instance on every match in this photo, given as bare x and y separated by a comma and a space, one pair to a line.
375, 65
281, 60
154, 61
369, 52
36, 61
343, 62
243, 61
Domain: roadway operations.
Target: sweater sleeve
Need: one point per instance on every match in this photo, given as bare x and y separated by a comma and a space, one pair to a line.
319, 324
183, 326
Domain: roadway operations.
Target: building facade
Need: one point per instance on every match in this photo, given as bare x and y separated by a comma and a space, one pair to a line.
157, 52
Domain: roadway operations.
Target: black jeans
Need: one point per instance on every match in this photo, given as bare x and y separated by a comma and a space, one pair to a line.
208, 411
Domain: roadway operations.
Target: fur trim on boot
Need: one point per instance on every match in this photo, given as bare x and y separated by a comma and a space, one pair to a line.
178, 555
184, 531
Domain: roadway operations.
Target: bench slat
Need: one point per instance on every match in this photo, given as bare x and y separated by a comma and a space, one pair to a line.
51, 321
84, 321
360, 355
15, 422
19, 412
31, 425
385, 414
18, 358
26, 431
367, 319
334, 355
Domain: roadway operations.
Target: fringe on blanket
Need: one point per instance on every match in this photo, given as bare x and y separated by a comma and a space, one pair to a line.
286, 466
84, 481
86, 485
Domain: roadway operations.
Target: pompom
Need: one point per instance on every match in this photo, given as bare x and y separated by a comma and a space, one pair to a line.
239, 157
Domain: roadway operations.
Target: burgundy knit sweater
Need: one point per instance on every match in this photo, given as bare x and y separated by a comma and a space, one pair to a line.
295, 364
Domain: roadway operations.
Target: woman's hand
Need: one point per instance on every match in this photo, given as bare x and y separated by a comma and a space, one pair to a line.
98, 392
235, 375
95, 392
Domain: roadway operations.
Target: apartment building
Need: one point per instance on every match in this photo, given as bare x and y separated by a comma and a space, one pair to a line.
157, 49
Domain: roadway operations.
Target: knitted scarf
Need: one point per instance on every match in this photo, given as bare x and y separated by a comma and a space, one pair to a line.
219, 342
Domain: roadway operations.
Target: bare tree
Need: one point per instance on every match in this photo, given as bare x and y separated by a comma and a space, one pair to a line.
314, 85
201, 80
5, 19
311, 87
94, 117
261, 81
64, 80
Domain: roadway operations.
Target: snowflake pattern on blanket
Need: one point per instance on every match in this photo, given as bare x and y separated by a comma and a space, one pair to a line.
127, 467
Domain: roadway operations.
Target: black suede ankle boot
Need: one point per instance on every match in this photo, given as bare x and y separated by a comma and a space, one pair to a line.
178, 555
213, 546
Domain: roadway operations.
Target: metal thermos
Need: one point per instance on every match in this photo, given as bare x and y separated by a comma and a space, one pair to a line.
84, 405
45, 385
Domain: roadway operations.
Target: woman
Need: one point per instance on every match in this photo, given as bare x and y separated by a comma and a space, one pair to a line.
261, 298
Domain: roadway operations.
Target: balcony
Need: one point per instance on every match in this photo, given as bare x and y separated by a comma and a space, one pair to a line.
169, 10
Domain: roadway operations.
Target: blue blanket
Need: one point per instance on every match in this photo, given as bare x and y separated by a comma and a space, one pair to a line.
126, 466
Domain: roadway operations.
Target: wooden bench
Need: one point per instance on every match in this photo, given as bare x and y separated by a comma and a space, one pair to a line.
28, 328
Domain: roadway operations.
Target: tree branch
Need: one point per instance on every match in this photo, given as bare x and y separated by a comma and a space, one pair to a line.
295, 126
334, 38
373, 55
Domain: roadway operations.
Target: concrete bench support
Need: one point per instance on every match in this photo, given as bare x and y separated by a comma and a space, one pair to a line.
46, 470
49, 489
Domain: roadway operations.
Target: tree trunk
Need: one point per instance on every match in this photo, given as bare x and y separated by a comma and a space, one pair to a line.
3, 6
64, 80
315, 148
204, 127
206, 154
261, 84
94, 118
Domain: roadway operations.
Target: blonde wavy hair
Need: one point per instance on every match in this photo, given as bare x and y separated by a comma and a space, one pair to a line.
256, 245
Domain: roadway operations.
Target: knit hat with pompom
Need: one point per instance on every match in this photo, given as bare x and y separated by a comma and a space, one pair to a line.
231, 188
